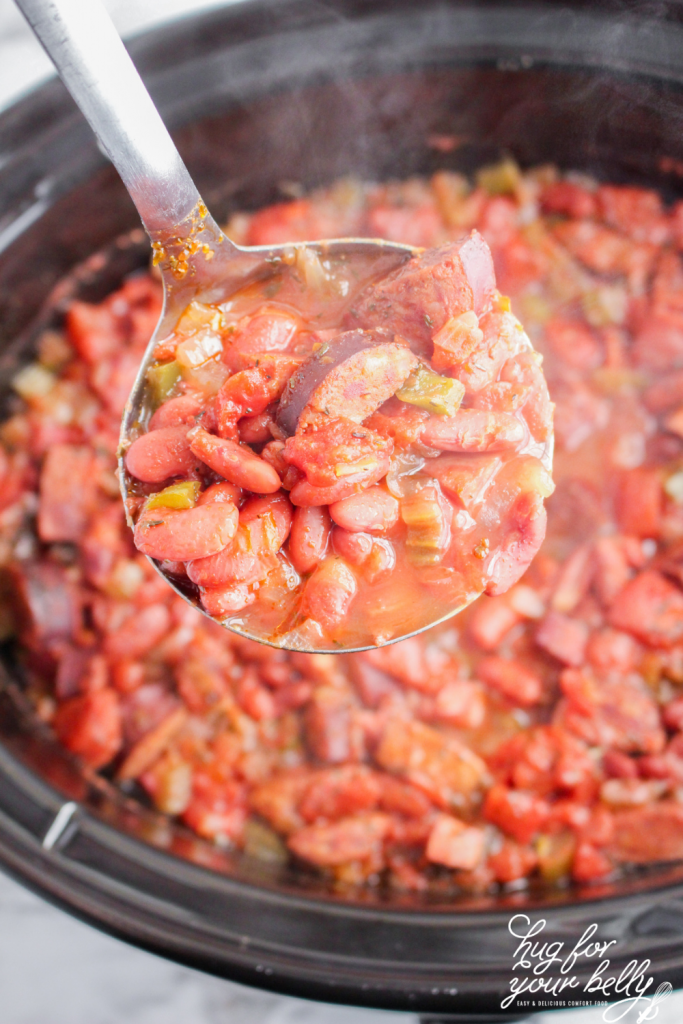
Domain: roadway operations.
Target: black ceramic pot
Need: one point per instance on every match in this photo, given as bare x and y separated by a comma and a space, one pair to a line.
261, 94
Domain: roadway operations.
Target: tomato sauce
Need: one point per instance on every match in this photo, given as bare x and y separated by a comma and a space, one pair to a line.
386, 441
537, 735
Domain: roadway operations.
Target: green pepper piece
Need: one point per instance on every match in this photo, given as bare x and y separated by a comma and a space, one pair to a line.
500, 179
162, 379
431, 391
182, 494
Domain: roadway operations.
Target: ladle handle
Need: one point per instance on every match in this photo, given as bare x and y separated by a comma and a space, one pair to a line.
93, 63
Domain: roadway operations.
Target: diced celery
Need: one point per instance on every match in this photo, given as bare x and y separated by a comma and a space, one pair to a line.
606, 304
555, 855
673, 486
33, 382
198, 315
198, 348
262, 842
500, 179
426, 514
162, 379
182, 494
431, 391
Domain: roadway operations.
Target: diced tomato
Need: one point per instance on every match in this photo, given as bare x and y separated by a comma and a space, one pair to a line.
338, 792
447, 770
512, 862
67, 493
516, 812
563, 637
490, 620
570, 199
638, 502
574, 343
417, 226
460, 703
95, 331
638, 212
217, 807
515, 682
454, 844
610, 650
615, 712
651, 608
90, 726
590, 864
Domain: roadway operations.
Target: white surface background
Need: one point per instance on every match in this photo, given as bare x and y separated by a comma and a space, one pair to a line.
55, 970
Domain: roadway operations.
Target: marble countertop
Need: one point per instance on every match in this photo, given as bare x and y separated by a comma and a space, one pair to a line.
56, 970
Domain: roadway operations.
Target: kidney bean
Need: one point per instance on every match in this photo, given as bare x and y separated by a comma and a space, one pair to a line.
236, 463
268, 331
255, 429
354, 547
234, 564
269, 521
223, 492
263, 528
372, 511
329, 593
160, 454
309, 537
176, 412
227, 600
382, 559
186, 534
474, 430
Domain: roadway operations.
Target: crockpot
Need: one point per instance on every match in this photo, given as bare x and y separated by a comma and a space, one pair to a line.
264, 96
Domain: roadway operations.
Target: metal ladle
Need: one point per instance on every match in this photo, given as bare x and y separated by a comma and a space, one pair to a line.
196, 260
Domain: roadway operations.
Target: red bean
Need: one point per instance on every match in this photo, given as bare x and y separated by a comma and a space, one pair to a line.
176, 412
222, 601
263, 528
236, 463
329, 593
186, 534
382, 559
309, 537
354, 547
220, 493
160, 454
371, 511
271, 517
234, 564
255, 429
474, 430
